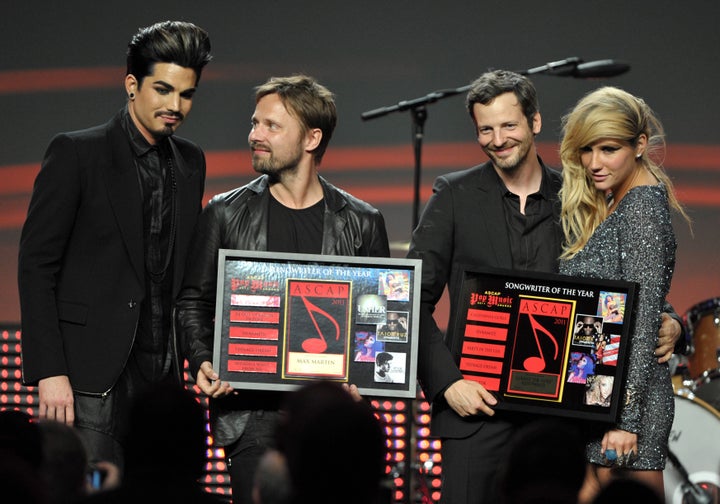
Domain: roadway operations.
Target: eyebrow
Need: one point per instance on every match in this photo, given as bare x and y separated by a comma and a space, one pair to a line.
163, 83
170, 86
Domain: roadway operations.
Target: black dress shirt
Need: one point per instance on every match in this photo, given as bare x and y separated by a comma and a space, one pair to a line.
527, 232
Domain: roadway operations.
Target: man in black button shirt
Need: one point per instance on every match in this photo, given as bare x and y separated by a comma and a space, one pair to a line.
102, 251
502, 214
289, 208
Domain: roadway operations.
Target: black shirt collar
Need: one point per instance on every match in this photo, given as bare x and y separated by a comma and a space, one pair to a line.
545, 191
139, 144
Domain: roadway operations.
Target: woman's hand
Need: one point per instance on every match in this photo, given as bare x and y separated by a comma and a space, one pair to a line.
619, 446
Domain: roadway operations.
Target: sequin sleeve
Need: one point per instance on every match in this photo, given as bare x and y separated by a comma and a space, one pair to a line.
647, 256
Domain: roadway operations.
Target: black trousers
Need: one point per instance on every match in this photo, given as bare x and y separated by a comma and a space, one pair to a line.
470, 465
243, 456
102, 421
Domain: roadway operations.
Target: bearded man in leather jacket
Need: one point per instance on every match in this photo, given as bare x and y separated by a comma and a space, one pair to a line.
289, 208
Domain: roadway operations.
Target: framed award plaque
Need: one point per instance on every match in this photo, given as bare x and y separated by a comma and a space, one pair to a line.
283, 319
544, 343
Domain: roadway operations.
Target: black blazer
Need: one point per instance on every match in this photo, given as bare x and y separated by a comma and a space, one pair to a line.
463, 223
81, 265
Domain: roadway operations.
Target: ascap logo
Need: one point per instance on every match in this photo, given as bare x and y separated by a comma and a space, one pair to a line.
319, 289
544, 308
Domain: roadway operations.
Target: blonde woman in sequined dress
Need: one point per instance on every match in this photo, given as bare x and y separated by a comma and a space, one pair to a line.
616, 203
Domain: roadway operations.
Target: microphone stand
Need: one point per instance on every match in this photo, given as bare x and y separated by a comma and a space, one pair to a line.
419, 115
417, 106
692, 492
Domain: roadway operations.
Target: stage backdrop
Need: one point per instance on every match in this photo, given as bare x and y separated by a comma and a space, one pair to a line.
62, 68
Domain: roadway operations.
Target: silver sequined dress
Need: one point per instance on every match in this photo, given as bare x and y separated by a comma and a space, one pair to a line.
636, 243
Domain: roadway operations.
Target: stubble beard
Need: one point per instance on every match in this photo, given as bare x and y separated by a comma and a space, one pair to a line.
514, 163
276, 168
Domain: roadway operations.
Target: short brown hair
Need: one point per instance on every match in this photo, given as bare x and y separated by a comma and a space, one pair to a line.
308, 101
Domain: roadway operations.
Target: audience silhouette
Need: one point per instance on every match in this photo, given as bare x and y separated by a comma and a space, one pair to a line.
272, 480
165, 450
545, 464
333, 445
64, 467
20, 459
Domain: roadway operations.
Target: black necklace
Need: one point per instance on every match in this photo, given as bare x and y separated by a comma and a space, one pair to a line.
158, 276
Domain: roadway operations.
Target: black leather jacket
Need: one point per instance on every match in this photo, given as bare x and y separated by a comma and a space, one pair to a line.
237, 220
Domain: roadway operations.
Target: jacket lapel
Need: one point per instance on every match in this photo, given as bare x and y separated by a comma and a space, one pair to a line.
490, 217
124, 195
257, 207
333, 221
555, 180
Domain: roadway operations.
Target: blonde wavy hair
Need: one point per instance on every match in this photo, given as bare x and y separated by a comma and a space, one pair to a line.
606, 113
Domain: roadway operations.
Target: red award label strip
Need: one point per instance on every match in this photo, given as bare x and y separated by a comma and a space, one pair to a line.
254, 300
488, 316
491, 384
254, 317
247, 366
483, 349
480, 365
254, 333
256, 350
485, 332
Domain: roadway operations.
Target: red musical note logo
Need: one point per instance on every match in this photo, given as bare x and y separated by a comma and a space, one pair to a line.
318, 345
534, 363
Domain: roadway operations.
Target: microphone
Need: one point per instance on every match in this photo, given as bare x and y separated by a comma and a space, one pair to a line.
575, 67
600, 68
560, 68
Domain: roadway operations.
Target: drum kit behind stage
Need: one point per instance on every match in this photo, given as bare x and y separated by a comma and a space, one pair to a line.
692, 474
